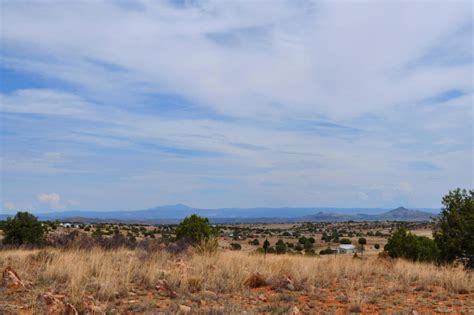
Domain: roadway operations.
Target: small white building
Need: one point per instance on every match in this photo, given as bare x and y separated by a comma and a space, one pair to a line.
346, 248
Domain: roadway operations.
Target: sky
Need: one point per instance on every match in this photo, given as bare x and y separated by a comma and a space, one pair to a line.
120, 105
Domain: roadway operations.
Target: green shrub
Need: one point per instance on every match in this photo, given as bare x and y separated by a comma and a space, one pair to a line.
326, 251
97, 233
235, 246
454, 228
194, 230
308, 245
345, 241
377, 246
280, 247
23, 229
410, 246
255, 242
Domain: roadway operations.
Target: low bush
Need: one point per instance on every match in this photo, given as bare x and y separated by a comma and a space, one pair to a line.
326, 251
345, 241
255, 242
235, 246
23, 229
308, 244
410, 246
280, 247
195, 229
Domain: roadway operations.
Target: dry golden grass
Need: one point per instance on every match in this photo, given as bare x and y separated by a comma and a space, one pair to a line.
109, 275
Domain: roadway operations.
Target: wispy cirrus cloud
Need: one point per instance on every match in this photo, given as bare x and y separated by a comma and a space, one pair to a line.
166, 102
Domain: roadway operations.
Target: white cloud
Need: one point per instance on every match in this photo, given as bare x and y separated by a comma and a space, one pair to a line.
334, 59
324, 97
46, 102
53, 199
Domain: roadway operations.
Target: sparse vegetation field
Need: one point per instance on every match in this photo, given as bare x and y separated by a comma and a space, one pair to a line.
198, 268
124, 281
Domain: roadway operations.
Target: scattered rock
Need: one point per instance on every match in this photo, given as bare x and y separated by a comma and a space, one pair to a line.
209, 295
184, 309
91, 306
54, 301
285, 282
262, 298
294, 311
50, 298
11, 280
288, 283
164, 289
162, 284
414, 312
95, 310
57, 305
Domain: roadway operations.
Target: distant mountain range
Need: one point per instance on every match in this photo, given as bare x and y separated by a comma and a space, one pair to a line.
175, 213
398, 214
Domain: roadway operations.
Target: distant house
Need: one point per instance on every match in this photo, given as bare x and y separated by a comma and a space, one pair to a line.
346, 248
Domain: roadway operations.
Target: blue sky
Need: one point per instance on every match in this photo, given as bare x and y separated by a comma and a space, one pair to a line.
132, 104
